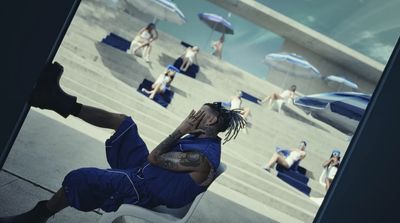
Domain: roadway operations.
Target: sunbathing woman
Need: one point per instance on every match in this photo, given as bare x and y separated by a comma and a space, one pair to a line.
295, 155
285, 95
189, 57
143, 39
163, 82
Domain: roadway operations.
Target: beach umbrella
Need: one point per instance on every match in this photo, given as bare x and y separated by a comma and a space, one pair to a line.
342, 110
291, 64
160, 9
216, 23
341, 81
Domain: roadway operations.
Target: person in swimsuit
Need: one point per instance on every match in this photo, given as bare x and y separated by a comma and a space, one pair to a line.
331, 165
235, 103
182, 166
217, 46
143, 39
285, 95
295, 155
189, 57
163, 82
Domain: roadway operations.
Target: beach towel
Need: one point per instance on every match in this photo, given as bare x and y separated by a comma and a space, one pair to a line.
250, 97
163, 99
117, 42
191, 71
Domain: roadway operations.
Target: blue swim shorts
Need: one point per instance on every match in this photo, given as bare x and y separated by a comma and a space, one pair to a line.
89, 188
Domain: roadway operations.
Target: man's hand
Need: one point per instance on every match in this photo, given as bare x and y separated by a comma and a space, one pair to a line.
190, 124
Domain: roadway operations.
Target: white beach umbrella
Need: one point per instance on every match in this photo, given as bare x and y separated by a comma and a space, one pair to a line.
291, 64
341, 81
160, 9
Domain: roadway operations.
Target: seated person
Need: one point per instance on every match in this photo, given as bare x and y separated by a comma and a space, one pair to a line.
331, 166
295, 155
143, 39
235, 103
182, 166
189, 57
163, 82
285, 95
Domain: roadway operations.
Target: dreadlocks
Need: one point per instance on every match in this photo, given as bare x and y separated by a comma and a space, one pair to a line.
228, 120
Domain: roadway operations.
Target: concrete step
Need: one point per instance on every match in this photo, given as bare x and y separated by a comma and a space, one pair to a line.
255, 169
268, 199
269, 186
149, 110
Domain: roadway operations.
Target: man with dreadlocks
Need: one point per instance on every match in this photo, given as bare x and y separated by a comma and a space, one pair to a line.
182, 166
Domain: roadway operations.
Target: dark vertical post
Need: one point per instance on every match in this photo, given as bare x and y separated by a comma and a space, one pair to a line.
31, 32
366, 187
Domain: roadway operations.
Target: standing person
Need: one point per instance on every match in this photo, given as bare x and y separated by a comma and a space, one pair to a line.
143, 39
163, 82
295, 155
285, 95
217, 46
189, 57
182, 166
330, 168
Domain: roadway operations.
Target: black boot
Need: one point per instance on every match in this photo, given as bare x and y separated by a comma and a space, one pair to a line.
48, 93
39, 214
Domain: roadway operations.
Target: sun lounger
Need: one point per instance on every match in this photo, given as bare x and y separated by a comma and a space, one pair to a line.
295, 175
191, 71
162, 99
117, 42
250, 97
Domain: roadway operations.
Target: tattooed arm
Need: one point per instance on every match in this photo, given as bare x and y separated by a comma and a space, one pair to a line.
193, 162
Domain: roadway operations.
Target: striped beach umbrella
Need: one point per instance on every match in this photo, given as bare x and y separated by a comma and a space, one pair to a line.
291, 64
342, 110
160, 9
216, 23
341, 81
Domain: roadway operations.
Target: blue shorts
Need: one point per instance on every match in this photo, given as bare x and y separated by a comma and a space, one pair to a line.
89, 188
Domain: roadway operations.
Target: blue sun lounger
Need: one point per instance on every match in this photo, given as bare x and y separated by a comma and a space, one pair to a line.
162, 99
295, 175
117, 42
191, 71
250, 97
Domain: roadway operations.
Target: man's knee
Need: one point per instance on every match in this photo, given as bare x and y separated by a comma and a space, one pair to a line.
119, 118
